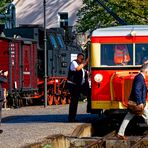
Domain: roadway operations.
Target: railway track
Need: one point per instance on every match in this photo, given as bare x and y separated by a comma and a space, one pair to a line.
110, 141
101, 134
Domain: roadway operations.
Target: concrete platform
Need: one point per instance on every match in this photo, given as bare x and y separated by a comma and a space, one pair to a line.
28, 125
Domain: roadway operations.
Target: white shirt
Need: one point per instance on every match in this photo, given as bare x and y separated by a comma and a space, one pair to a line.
73, 67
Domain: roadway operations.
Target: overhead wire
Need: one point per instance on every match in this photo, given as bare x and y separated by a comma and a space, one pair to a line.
123, 8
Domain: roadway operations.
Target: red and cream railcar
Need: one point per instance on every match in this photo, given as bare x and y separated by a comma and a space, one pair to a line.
116, 56
19, 58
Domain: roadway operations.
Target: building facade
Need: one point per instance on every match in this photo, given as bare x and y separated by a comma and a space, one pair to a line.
58, 12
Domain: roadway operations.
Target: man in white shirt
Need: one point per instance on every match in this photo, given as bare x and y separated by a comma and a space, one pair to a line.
77, 84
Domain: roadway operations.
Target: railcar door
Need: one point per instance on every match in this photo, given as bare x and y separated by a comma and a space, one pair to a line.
29, 67
26, 66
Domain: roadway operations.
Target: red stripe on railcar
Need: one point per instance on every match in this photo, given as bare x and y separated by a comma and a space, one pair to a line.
119, 39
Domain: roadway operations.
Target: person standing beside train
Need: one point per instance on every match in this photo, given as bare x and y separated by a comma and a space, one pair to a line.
3, 79
77, 83
138, 95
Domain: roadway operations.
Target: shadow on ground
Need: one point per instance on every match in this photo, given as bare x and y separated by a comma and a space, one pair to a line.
81, 118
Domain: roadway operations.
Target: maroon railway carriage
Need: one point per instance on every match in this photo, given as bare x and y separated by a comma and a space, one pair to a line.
18, 56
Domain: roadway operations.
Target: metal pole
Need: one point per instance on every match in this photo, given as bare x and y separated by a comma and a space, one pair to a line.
45, 56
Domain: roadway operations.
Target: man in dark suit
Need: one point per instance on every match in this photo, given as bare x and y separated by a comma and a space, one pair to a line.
138, 95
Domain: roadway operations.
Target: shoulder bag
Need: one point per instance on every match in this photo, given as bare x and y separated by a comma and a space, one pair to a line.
133, 108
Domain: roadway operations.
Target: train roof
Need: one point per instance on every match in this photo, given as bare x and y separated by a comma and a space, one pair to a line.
4, 38
25, 40
125, 30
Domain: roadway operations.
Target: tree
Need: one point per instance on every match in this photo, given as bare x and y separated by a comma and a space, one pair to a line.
92, 15
3, 4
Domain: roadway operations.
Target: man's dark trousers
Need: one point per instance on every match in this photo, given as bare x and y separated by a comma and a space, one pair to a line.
75, 91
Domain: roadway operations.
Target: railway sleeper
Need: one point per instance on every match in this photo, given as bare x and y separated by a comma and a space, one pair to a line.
109, 141
58, 141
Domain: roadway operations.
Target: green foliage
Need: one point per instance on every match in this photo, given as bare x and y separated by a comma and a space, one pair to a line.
92, 15
3, 4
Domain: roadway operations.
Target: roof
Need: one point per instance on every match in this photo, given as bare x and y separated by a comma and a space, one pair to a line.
125, 30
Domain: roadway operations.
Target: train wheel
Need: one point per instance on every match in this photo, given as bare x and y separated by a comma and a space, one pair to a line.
50, 99
63, 100
56, 100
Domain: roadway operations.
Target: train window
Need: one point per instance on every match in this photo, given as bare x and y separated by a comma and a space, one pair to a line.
116, 54
60, 41
53, 41
141, 51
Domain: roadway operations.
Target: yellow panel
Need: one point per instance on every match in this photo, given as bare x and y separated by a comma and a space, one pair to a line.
107, 105
95, 52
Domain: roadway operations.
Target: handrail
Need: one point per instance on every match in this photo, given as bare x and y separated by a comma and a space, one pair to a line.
111, 86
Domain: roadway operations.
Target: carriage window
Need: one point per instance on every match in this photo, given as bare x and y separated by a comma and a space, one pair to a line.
116, 54
53, 41
141, 52
60, 41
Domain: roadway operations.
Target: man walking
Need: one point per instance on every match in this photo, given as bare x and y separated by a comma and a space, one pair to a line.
138, 95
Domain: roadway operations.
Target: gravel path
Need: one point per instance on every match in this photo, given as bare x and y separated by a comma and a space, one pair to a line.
32, 124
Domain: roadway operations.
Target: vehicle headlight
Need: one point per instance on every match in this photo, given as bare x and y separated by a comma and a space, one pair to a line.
98, 78
56, 80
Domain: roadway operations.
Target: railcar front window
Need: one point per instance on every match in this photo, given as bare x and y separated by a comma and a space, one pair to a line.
116, 54
53, 41
141, 52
